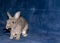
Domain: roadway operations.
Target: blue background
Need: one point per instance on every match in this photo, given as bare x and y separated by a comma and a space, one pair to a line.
43, 17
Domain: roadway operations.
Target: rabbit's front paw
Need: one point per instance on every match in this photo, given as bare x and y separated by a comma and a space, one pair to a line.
17, 38
10, 37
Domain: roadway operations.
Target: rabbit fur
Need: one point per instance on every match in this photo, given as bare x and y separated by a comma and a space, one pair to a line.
18, 25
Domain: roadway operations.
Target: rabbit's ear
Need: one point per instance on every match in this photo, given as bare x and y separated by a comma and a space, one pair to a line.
9, 15
17, 15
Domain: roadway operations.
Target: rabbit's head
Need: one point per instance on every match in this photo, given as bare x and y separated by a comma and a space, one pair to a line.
12, 21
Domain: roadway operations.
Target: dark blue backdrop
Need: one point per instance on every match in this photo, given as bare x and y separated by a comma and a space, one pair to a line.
43, 17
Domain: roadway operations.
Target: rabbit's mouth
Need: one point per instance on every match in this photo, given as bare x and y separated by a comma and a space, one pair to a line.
7, 27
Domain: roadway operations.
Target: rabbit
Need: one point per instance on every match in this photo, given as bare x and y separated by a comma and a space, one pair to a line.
18, 26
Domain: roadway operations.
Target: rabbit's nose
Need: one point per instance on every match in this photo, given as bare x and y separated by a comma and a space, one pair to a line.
6, 27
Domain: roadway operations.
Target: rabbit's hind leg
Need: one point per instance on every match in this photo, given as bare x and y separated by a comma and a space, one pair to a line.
24, 32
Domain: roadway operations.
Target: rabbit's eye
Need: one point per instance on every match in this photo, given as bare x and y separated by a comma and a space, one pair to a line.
13, 22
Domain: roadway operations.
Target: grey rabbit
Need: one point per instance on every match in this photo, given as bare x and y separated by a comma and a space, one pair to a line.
18, 26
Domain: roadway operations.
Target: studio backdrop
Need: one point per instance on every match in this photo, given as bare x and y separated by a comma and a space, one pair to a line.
43, 17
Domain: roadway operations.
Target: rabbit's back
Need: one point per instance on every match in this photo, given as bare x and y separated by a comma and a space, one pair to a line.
22, 22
